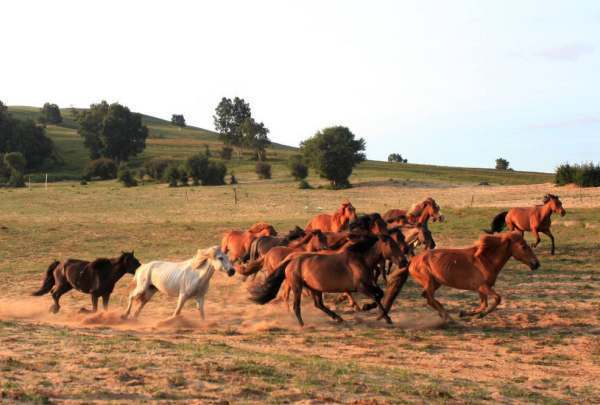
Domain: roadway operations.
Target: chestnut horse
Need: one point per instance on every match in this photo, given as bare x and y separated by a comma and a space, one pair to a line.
336, 222
531, 219
313, 241
97, 278
341, 272
475, 269
370, 222
418, 214
236, 244
263, 244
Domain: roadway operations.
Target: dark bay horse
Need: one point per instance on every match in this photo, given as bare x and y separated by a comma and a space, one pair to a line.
534, 219
373, 223
97, 278
236, 244
263, 244
475, 269
340, 272
334, 223
418, 214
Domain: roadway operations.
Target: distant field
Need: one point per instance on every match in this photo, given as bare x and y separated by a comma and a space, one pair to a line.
168, 141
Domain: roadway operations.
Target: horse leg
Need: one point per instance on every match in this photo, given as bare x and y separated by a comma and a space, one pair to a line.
105, 299
551, 239
351, 300
481, 308
536, 235
484, 289
375, 293
435, 304
318, 298
180, 302
200, 304
144, 298
58, 291
297, 289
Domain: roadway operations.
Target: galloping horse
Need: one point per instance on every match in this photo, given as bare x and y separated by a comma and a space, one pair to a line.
534, 219
340, 272
370, 222
336, 222
185, 280
263, 244
313, 241
237, 243
475, 269
97, 278
418, 214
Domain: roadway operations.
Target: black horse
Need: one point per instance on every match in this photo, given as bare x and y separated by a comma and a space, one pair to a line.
97, 278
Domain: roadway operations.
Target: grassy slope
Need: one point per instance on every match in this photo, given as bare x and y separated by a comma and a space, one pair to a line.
168, 141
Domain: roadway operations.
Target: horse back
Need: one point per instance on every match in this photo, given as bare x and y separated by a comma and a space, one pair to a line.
521, 217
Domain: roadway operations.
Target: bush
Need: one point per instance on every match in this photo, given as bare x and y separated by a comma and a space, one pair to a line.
263, 170
141, 173
196, 167
303, 185
297, 168
155, 168
396, 157
584, 175
226, 153
172, 175
215, 174
126, 177
15, 163
103, 168
183, 175
502, 164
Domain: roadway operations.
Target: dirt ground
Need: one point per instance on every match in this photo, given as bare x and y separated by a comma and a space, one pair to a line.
542, 345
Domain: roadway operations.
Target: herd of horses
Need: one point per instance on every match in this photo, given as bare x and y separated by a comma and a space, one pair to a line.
342, 253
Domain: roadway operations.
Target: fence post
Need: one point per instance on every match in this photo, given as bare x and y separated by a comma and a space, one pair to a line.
46, 181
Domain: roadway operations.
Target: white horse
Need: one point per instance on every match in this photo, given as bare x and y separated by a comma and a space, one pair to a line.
185, 280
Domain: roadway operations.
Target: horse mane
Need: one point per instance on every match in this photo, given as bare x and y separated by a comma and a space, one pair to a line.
490, 242
417, 208
260, 226
363, 245
549, 197
202, 256
294, 234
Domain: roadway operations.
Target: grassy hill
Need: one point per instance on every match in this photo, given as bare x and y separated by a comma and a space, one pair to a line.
168, 141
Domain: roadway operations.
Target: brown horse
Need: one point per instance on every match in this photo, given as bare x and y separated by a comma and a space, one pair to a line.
236, 244
475, 269
97, 278
313, 241
263, 244
372, 223
419, 214
531, 219
336, 222
341, 272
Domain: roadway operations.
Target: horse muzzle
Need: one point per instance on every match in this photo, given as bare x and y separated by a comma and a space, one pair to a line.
563, 213
230, 272
534, 265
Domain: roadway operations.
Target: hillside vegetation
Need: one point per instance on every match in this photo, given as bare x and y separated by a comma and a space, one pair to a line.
168, 141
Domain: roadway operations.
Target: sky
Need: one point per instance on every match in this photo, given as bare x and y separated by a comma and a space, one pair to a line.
456, 83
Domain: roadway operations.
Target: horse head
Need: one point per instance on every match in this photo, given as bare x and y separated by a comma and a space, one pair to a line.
129, 262
215, 258
262, 229
555, 204
390, 250
347, 211
514, 241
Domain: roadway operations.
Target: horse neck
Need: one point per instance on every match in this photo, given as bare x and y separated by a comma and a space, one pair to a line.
423, 218
497, 259
545, 210
339, 220
374, 255
118, 270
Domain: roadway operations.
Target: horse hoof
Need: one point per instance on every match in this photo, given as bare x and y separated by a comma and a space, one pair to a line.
124, 316
54, 309
84, 311
339, 320
368, 307
481, 314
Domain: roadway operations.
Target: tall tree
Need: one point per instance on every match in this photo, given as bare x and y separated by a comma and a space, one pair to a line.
112, 131
178, 120
333, 153
228, 118
51, 114
502, 164
255, 136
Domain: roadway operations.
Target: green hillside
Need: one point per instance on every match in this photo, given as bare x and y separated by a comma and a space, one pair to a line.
168, 141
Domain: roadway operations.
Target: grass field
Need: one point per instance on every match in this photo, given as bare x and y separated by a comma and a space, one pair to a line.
541, 346
168, 141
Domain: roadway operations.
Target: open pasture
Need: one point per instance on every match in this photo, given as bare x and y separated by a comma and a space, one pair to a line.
542, 345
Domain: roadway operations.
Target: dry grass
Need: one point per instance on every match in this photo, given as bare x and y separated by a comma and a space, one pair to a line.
541, 345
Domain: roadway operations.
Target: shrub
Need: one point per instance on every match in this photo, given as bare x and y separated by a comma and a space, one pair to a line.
15, 163
103, 168
156, 168
226, 153
303, 185
584, 175
126, 177
172, 175
396, 157
141, 173
263, 170
183, 175
196, 167
4, 170
502, 164
297, 167
215, 174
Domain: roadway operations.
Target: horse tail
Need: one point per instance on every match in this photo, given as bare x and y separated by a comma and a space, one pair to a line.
225, 242
261, 293
252, 267
48, 280
254, 249
497, 223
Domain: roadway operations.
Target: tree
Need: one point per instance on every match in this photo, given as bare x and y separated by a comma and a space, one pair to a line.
25, 137
103, 168
228, 118
333, 153
263, 170
396, 157
112, 131
16, 163
196, 166
51, 114
126, 177
502, 164
297, 167
255, 137
172, 175
178, 120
